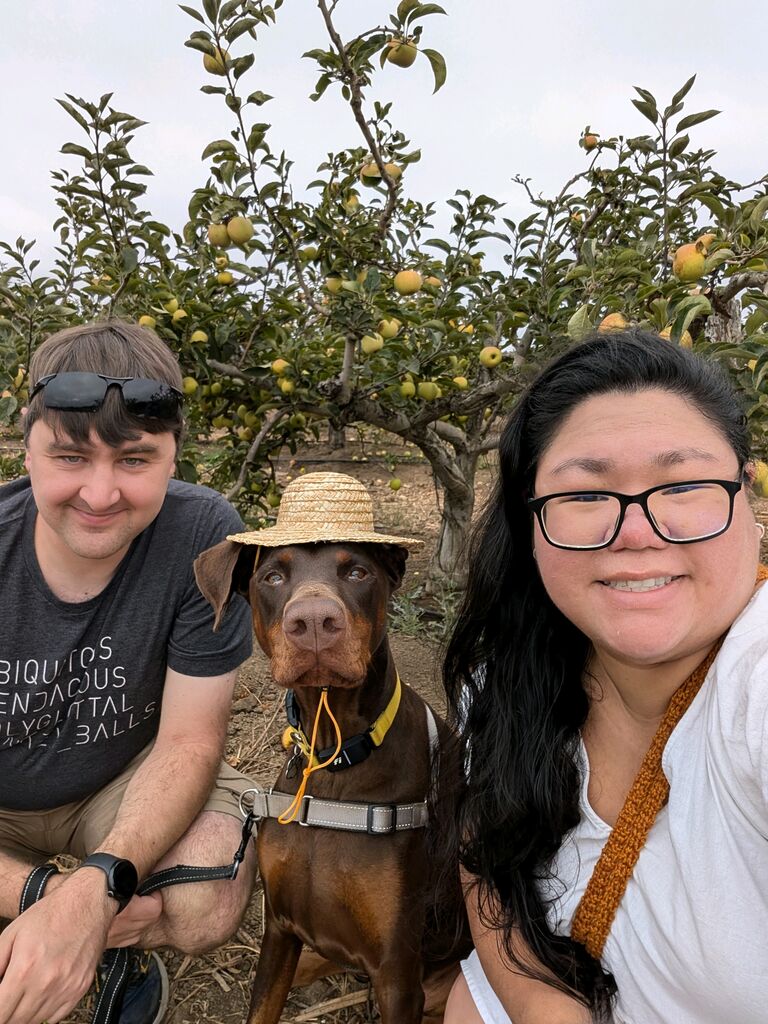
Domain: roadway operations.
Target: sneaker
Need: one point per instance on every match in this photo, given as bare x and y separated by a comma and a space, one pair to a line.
146, 991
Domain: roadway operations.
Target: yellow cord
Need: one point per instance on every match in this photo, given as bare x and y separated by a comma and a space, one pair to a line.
290, 813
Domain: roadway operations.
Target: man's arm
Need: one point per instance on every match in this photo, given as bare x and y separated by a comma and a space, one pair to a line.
172, 784
49, 953
526, 1000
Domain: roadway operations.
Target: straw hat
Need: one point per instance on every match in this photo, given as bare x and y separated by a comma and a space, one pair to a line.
323, 508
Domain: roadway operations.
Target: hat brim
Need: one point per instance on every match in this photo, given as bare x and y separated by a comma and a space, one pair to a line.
274, 537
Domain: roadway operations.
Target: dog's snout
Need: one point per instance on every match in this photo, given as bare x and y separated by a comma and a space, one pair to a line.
314, 623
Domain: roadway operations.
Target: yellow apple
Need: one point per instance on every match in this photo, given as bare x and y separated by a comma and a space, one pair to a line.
240, 230
395, 484
147, 320
286, 386
216, 63
400, 52
428, 390
333, 284
590, 141
279, 366
408, 281
407, 389
371, 343
490, 356
461, 383
224, 277
218, 236
198, 337
688, 262
171, 305
189, 385
389, 328
613, 322
179, 315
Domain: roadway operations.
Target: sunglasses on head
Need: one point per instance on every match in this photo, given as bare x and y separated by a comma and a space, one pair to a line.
86, 392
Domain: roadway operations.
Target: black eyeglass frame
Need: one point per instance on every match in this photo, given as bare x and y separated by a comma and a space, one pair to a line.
136, 405
732, 488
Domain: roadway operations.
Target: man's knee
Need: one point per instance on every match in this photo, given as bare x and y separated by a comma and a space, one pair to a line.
199, 916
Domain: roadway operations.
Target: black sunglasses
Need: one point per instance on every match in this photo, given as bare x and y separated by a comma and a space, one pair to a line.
86, 392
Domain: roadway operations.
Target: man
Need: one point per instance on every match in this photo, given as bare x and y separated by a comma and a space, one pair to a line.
114, 690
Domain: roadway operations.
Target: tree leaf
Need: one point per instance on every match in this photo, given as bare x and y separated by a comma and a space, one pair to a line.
580, 324
218, 146
405, 7
438, 67
70, 109
647, 110
72, 149
192, 13
692, 119
130, 258
683, 91
424, 9
259, 98
677, 146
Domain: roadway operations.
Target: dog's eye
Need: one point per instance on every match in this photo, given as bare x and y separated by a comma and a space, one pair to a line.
272, 578
357, 572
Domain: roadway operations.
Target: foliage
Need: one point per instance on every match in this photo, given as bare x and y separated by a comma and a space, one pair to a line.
309, 281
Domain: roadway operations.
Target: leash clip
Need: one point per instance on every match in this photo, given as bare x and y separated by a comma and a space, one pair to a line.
237, 860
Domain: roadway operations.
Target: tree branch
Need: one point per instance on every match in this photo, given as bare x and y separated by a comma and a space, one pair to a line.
270, 420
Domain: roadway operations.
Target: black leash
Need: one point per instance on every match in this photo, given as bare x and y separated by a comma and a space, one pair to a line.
115, 961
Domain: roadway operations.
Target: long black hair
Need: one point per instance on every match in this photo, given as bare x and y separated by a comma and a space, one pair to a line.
515, 664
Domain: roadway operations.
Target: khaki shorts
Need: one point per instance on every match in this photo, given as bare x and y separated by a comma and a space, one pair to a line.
79, 827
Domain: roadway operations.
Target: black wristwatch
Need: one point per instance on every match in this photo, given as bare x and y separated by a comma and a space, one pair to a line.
122, 877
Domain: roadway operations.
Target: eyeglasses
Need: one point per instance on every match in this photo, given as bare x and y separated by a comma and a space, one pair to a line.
86, 392
680, 513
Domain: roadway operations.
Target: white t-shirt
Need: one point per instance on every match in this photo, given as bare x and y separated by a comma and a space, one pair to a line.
689, 943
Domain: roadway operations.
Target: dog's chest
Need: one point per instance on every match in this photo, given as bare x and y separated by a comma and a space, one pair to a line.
338, 891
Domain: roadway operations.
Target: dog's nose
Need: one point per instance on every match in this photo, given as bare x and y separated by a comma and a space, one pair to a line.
313, 624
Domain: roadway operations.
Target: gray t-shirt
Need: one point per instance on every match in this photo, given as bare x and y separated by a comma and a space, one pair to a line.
81, 684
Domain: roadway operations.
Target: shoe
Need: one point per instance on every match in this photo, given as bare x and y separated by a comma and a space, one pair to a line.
145, 999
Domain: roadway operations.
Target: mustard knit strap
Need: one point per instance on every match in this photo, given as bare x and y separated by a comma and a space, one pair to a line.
650, 791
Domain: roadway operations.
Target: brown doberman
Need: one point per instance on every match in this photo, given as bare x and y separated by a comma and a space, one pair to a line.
367, 900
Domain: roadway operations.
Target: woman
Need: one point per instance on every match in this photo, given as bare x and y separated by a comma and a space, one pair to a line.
618, 549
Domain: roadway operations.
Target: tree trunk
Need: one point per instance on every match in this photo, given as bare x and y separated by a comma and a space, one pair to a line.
336, 436
449, 561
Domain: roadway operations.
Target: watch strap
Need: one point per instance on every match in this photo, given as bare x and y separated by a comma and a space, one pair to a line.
106, 862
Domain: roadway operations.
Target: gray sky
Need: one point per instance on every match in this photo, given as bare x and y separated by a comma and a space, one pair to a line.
523, 80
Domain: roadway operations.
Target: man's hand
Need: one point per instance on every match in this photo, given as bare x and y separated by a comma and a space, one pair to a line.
139, 915
48, 955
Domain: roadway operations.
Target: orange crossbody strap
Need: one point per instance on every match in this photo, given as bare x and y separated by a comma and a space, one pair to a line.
650, 791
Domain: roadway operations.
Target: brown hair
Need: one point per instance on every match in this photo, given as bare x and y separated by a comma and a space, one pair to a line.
116, 349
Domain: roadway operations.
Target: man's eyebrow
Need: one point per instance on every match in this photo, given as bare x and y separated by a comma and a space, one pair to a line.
69, 446
139, 448
672, 457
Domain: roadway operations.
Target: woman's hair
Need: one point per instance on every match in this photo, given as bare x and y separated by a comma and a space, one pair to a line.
514, 665
116, 349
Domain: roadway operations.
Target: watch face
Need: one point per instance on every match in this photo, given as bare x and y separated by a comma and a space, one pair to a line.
124, 878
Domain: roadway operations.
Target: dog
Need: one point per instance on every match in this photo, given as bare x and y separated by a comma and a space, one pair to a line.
378, 899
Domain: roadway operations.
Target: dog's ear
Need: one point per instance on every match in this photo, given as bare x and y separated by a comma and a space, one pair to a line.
222, 570
393, 559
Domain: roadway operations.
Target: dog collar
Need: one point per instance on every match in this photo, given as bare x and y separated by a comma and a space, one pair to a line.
353, 750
